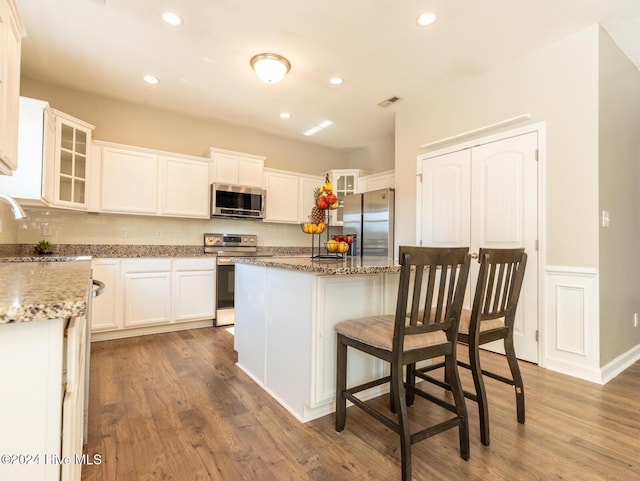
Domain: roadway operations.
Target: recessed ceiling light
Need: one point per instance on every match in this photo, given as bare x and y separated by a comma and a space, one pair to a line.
426, 19
335, 80
314, 130
285, 115
172, 18
151, 79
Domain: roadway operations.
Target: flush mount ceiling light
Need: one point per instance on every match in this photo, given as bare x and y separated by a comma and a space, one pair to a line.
335, 80
270, 67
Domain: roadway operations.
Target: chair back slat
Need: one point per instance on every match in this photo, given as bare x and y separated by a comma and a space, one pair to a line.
431, 291
499, 284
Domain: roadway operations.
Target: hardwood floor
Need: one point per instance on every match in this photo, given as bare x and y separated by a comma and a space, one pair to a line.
175, 407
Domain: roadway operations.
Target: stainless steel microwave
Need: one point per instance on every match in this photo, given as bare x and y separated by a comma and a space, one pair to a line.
237, 201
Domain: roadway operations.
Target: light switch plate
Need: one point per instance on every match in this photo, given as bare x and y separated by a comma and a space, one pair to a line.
605, 218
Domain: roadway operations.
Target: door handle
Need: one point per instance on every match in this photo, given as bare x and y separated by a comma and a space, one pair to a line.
474, 255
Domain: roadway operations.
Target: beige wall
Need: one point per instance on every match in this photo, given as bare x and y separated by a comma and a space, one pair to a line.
619, 182
375, 158
557, 85
143, 126
131, 124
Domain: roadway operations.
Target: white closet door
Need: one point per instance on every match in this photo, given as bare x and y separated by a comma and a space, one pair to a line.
504, 214
446, 200
486, 196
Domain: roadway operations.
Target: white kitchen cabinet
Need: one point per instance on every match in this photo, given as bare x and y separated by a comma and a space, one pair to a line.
283, 196
106, 308
345, 182
128, 180
42, 402
136, 180
290, 195
11, 33
32, 181
184, 191
194, 289
306, 185
147, 287
72, 166
152, 295
285, 330
55, 165
380, 180
236, 168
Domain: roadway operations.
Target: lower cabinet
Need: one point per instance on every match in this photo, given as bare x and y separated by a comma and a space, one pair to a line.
285, 330
147, 292
193, 289
42, 402
151, 295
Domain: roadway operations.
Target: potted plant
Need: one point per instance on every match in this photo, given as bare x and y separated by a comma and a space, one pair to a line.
43, 248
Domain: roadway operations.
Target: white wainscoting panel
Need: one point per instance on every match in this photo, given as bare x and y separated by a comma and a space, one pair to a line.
571, 339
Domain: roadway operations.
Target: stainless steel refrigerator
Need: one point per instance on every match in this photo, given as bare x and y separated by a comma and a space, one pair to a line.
370, 217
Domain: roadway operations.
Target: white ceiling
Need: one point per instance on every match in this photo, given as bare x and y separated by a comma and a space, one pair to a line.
105, 46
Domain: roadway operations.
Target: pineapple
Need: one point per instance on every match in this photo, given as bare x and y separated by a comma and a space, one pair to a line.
317, 214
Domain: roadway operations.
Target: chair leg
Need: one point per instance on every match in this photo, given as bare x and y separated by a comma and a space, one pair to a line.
399, 401
481, 394
341, 384
517, 378
392, 394
411, 382
461, 407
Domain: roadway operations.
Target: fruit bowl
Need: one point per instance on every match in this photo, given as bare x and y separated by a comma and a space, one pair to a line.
312, 228
337, 246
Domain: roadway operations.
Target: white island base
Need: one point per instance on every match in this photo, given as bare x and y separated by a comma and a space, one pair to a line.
284, 329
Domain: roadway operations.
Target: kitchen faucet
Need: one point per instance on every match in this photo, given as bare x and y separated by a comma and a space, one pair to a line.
18, 213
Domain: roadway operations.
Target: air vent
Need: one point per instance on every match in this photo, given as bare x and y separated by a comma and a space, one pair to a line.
389, 101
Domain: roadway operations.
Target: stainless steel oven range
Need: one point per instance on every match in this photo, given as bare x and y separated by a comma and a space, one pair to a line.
226, 247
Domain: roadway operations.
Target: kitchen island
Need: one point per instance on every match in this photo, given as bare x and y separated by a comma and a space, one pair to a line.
286, 309
43, 309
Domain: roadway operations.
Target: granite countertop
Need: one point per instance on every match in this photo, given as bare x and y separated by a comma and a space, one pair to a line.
346, 266
33, 291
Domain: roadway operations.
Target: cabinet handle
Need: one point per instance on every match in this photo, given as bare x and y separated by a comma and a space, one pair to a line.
98, 287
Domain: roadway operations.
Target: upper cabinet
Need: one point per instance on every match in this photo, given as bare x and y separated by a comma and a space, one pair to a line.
185, 184
32, 181
282, 196
289, 195
236, 168
54, 165
71, 163
380, 180
11, 33
345, 182
128, 180
306, 187
135, 180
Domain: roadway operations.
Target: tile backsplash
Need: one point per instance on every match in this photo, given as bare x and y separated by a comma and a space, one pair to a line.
67, 227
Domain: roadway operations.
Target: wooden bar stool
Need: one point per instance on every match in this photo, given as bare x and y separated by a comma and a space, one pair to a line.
433, 277
491, 318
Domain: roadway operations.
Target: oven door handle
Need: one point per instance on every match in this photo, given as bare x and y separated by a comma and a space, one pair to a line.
225, 261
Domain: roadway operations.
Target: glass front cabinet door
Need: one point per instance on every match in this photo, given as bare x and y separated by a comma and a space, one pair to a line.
345, 182
73, 141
